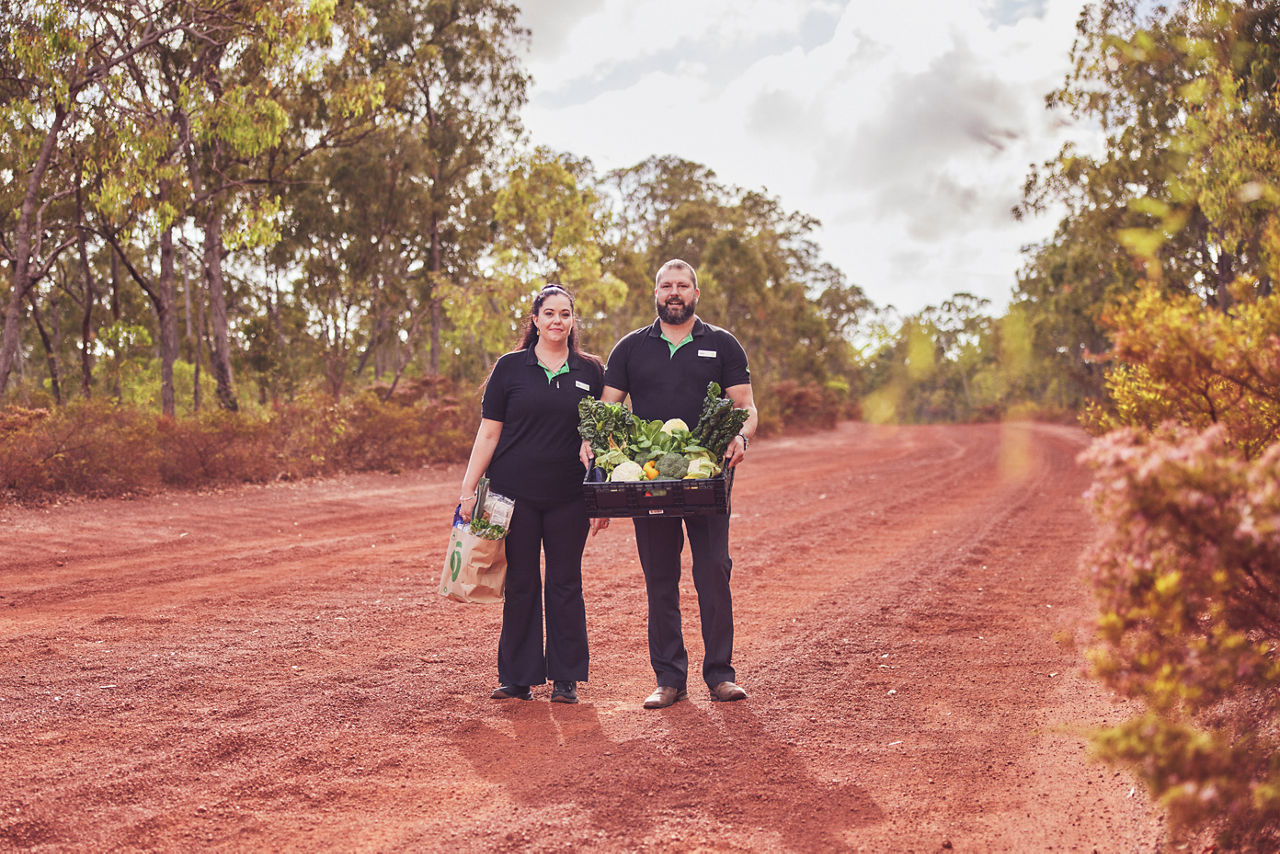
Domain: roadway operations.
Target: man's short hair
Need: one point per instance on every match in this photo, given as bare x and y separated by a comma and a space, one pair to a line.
676, 262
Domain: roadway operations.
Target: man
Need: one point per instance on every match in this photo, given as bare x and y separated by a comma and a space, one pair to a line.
666, 368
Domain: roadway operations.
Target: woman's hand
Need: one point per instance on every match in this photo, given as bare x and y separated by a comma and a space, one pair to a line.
467, 503
598, 525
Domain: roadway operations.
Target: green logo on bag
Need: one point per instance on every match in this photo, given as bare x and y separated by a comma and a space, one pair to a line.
455, 561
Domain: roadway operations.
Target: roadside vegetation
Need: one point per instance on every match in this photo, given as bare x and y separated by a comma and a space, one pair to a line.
1166, 267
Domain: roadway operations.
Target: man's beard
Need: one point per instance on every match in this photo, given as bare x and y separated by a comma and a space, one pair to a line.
675, 315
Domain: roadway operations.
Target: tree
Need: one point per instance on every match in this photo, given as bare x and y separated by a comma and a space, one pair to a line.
759, 270
1186, 487
1132, 210
548, 229
454, 81
1178, 363
245, 71
55, 70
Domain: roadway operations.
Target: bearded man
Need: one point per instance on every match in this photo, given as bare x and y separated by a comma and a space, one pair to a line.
665, 368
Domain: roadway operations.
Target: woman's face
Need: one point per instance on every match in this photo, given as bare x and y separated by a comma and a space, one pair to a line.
554, 319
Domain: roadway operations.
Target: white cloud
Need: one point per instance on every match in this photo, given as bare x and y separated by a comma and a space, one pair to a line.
907, 128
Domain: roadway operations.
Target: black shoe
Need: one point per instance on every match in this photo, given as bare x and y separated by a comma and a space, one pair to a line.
511, 692
564, 692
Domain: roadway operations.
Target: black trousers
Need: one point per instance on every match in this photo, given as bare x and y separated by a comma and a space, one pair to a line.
559, 530
660, 542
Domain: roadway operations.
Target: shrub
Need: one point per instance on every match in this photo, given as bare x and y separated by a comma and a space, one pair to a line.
1188, 577
1181, 362
89, 447
99, 448
219, 447
801, 407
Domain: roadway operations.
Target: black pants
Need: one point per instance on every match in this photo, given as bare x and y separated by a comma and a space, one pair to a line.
660, 541
561, 531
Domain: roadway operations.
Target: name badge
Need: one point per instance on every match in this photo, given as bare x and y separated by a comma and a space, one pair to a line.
707, 354
580, 384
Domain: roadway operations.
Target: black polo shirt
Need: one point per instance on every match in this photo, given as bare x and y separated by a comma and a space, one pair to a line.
537, 454
667, 385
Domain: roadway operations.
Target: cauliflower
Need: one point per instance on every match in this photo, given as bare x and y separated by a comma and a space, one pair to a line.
673, 465
628, 471
673, 424
700, 468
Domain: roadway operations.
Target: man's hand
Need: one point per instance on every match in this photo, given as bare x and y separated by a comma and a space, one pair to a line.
584, 454
736, 451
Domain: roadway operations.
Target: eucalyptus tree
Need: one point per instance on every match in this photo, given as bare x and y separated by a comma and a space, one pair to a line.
549, 225
253, 92
171, 109
455, 84
760, 269
1134, 210
56, 67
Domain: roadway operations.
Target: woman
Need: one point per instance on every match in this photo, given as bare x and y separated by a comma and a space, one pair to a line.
528, 443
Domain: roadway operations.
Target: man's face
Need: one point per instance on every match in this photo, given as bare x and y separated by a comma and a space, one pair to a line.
675, 297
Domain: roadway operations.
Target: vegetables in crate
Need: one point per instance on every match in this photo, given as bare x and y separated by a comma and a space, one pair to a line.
629, 448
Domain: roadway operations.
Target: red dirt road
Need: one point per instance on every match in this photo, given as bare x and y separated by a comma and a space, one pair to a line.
271, 669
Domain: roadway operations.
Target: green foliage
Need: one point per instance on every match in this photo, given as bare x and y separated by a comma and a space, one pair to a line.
1185, 98
954, 362
1178, 362
759, 271
1188, 566
548, 228
1187, 571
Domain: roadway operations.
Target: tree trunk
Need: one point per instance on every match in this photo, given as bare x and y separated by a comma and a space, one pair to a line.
282, 345
22, 245
195, 336
12, 319
90, 297
221, 363
200, 347
86, 325
167, 315
115, 288
50, 350
437, 318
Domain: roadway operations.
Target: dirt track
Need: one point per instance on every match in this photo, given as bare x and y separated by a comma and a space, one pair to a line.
271, 669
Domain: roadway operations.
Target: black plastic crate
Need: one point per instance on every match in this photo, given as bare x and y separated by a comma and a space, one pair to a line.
693, 497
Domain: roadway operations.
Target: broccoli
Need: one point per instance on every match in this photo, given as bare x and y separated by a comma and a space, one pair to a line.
673, 466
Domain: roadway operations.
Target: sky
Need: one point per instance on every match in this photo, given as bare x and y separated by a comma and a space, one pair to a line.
907, 127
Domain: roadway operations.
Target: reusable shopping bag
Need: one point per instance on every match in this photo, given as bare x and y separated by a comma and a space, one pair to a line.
475, 567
